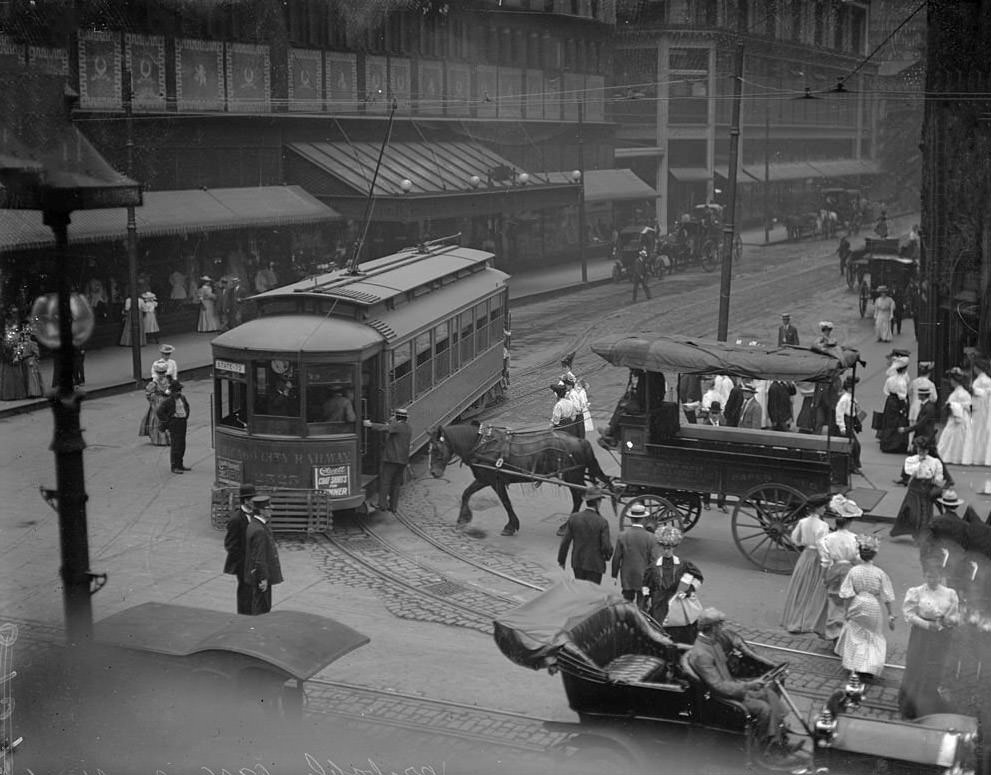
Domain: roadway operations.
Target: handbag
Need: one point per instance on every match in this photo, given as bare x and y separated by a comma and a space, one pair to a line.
877, 421
682, 611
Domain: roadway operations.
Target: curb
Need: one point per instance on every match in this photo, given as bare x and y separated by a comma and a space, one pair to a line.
551, 293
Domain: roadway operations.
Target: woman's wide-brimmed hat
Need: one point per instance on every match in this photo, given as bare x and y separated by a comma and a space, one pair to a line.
824, 324
956, 373
950, 498
844, 508
668, 535
867, 541
148, 295
160, 367
900, 362
166, 349
206, 279
882, 289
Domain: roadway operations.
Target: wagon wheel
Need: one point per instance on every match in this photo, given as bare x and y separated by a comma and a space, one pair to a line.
762, 525
709, 256
865, 296
689, 506
737, 248
660, 511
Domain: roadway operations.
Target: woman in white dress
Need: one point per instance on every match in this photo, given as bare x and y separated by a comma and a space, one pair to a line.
980, 418
884, 310
955, 439
805, 600
208, 307
149, 303
867, 588
837, 555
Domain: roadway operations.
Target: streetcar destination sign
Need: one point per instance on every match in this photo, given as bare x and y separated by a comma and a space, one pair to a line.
229, 366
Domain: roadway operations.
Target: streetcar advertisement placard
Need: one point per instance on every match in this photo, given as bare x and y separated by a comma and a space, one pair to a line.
334, 479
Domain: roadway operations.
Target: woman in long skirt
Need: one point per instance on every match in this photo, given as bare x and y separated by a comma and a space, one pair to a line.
149, 303
208, 307
805, 600
156, 392
884, 310
925, 472
932, 610
980, 418
867, 588
125, 335
838, 553
954, 441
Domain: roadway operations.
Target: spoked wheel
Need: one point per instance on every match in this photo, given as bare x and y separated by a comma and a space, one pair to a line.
660, 511
709, 256
689, 506
737, 248
865, 296
762, 525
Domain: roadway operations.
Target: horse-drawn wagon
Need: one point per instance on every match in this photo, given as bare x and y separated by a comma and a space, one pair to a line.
670, 466
881, 263
698, 238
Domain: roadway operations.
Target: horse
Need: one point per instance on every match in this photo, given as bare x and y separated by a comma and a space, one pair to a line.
499, 457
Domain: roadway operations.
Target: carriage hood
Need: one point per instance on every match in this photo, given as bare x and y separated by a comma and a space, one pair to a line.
537, 629
685, 355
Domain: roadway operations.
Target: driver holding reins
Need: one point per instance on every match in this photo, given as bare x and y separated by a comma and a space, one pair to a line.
711, 657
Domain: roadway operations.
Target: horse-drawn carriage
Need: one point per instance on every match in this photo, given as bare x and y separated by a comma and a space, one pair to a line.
671, 467
881, 262
698, 238
639, 701
633, 241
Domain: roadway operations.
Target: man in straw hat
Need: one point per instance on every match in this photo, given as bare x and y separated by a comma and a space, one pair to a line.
752, 413
709, 659
397, 436
635, 551
589, 531
173, 414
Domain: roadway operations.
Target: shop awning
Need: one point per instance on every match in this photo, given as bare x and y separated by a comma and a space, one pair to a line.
782, 170
616, 186
174, 212
638, 152
690, 174
843, 168
742, 176
442, 179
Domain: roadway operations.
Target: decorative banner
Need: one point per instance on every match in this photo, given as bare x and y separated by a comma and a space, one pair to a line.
533, 100
99, 69
487, 91
552, 97
458, 89
509, 92
11, 53
54, 61
376, 85
574, 90
430, 87
399, 83
342, 82
305, 80
146, 61
248, 85
199, 74
595, 98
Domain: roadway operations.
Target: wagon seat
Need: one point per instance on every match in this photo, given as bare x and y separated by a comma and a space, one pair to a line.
713, 710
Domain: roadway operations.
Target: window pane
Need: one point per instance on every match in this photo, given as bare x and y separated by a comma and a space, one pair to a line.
276, 388
482, 327
232, 399
442, 352
401, 375
330, 398
424, 363
467, 322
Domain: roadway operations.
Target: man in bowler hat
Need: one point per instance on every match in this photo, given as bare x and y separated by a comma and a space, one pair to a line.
590, 533
237, 525
262, 570
173, 415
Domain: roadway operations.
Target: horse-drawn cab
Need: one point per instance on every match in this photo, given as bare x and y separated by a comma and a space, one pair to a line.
638, 698
634, 240
697, 238
670, 466
883, 264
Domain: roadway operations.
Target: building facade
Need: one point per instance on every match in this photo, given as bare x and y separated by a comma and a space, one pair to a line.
673, 96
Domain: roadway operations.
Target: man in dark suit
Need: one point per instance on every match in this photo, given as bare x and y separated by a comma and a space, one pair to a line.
173, 416
590, 533
635, 551
237, 524
787, 333
752, 413
262, 569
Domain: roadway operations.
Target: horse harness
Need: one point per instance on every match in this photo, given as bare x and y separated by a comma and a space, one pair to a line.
487, 434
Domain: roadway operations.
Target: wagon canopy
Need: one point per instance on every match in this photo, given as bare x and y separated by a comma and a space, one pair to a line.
685, 355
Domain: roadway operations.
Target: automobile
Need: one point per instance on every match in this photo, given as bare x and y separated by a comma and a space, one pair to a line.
635, 693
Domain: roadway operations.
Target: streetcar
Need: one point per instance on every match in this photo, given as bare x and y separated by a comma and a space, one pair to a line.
424, 329
670, 467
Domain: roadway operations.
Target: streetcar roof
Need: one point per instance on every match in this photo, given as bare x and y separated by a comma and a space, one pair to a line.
686, 355
384, 278
300, 333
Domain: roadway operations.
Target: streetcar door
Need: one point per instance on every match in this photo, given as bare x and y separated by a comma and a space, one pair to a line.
373, 407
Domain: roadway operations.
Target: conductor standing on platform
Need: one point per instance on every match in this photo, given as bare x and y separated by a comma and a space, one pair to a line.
395, 457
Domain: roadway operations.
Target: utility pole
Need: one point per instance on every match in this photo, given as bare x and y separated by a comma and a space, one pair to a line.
767, 171
581, 189
728, 222
134, 319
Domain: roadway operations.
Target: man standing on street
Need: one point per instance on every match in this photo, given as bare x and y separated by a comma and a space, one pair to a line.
173, 414
848, 422
237, 525
590, 532
639, 274
787, 333
395, 457
636, 550
262, 570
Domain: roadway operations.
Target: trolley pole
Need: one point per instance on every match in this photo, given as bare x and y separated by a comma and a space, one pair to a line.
133, 320
366, 219
728, 221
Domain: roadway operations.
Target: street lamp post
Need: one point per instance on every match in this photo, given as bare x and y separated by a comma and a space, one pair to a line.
133, 319
722, 330
581, 189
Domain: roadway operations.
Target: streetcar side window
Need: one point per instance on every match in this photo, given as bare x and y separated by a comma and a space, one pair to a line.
467, 321
424, 365
401, 375
231, 403
482, 327
330, 398
442, 352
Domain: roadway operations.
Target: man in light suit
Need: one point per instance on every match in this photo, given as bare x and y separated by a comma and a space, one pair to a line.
590, 533
752, 411
636, 550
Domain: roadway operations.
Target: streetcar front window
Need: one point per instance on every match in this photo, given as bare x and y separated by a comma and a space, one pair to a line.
330, 404
276, 388
231, 403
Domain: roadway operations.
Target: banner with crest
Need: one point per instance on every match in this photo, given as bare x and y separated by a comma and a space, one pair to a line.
249, 70
145, 56
54, 61
376, 85
305, 80
99, 69
199, 74
342, 82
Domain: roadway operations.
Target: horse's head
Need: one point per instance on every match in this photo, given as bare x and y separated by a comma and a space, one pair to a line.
441, 453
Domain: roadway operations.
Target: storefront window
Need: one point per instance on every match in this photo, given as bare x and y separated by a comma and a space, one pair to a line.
330, 398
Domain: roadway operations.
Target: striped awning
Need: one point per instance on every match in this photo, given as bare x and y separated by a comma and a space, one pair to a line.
174, 212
